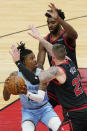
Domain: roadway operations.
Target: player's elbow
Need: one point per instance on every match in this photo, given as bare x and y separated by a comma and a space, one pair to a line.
75, 35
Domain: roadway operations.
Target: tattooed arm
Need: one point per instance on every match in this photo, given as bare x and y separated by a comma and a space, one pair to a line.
49, 74
45, 76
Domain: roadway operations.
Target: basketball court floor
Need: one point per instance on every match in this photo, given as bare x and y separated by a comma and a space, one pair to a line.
15, 17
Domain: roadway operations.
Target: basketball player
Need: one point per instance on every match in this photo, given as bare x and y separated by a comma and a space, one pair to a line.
35, 105
60, 33
67, 86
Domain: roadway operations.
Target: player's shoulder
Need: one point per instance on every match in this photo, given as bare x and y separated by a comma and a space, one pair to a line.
46, 37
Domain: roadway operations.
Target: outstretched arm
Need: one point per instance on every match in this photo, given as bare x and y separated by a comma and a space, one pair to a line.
35, 34
41, 56
70, 31
43, 77
30, 76
49, 74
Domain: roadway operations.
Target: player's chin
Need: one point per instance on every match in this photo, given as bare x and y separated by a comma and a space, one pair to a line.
35, 66
51, 30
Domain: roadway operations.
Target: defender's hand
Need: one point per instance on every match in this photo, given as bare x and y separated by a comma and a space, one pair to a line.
54, 13
35, 33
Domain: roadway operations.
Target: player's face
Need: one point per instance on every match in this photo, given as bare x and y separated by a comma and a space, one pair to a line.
53, 25
30, 62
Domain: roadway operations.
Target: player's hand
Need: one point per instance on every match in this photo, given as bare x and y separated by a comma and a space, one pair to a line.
15, 53
35, 33
54, 13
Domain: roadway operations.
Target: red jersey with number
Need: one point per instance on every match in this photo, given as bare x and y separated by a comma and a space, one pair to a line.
70, 94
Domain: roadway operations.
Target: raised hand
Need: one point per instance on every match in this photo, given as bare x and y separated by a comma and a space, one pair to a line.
35, 33
54, 13
15, 53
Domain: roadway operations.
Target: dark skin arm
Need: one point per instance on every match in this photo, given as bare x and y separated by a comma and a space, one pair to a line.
70, 33
6, 94
41, 56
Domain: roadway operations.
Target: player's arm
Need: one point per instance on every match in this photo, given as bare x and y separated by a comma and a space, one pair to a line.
39, 97
6, 94
41, 56
70, 32
49, 74
35, 34
43, 77
30, 76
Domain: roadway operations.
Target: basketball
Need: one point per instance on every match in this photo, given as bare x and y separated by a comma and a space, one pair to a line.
14, 84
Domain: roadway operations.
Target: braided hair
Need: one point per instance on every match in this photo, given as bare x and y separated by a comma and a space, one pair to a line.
23, 51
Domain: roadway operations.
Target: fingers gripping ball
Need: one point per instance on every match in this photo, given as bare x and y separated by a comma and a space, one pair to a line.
15, 85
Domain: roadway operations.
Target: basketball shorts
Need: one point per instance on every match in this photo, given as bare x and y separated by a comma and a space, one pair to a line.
43, 114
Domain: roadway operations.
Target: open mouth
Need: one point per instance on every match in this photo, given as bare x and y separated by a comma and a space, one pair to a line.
50, 29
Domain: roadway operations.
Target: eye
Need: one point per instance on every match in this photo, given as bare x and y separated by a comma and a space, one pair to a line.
53, 22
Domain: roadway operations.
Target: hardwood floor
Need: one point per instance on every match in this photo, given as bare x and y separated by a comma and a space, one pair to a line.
16, 15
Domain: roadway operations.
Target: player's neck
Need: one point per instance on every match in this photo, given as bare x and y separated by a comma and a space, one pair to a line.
55, 34
58, 62
32, 70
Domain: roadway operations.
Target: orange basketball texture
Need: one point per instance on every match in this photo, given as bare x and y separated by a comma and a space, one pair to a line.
14, 84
